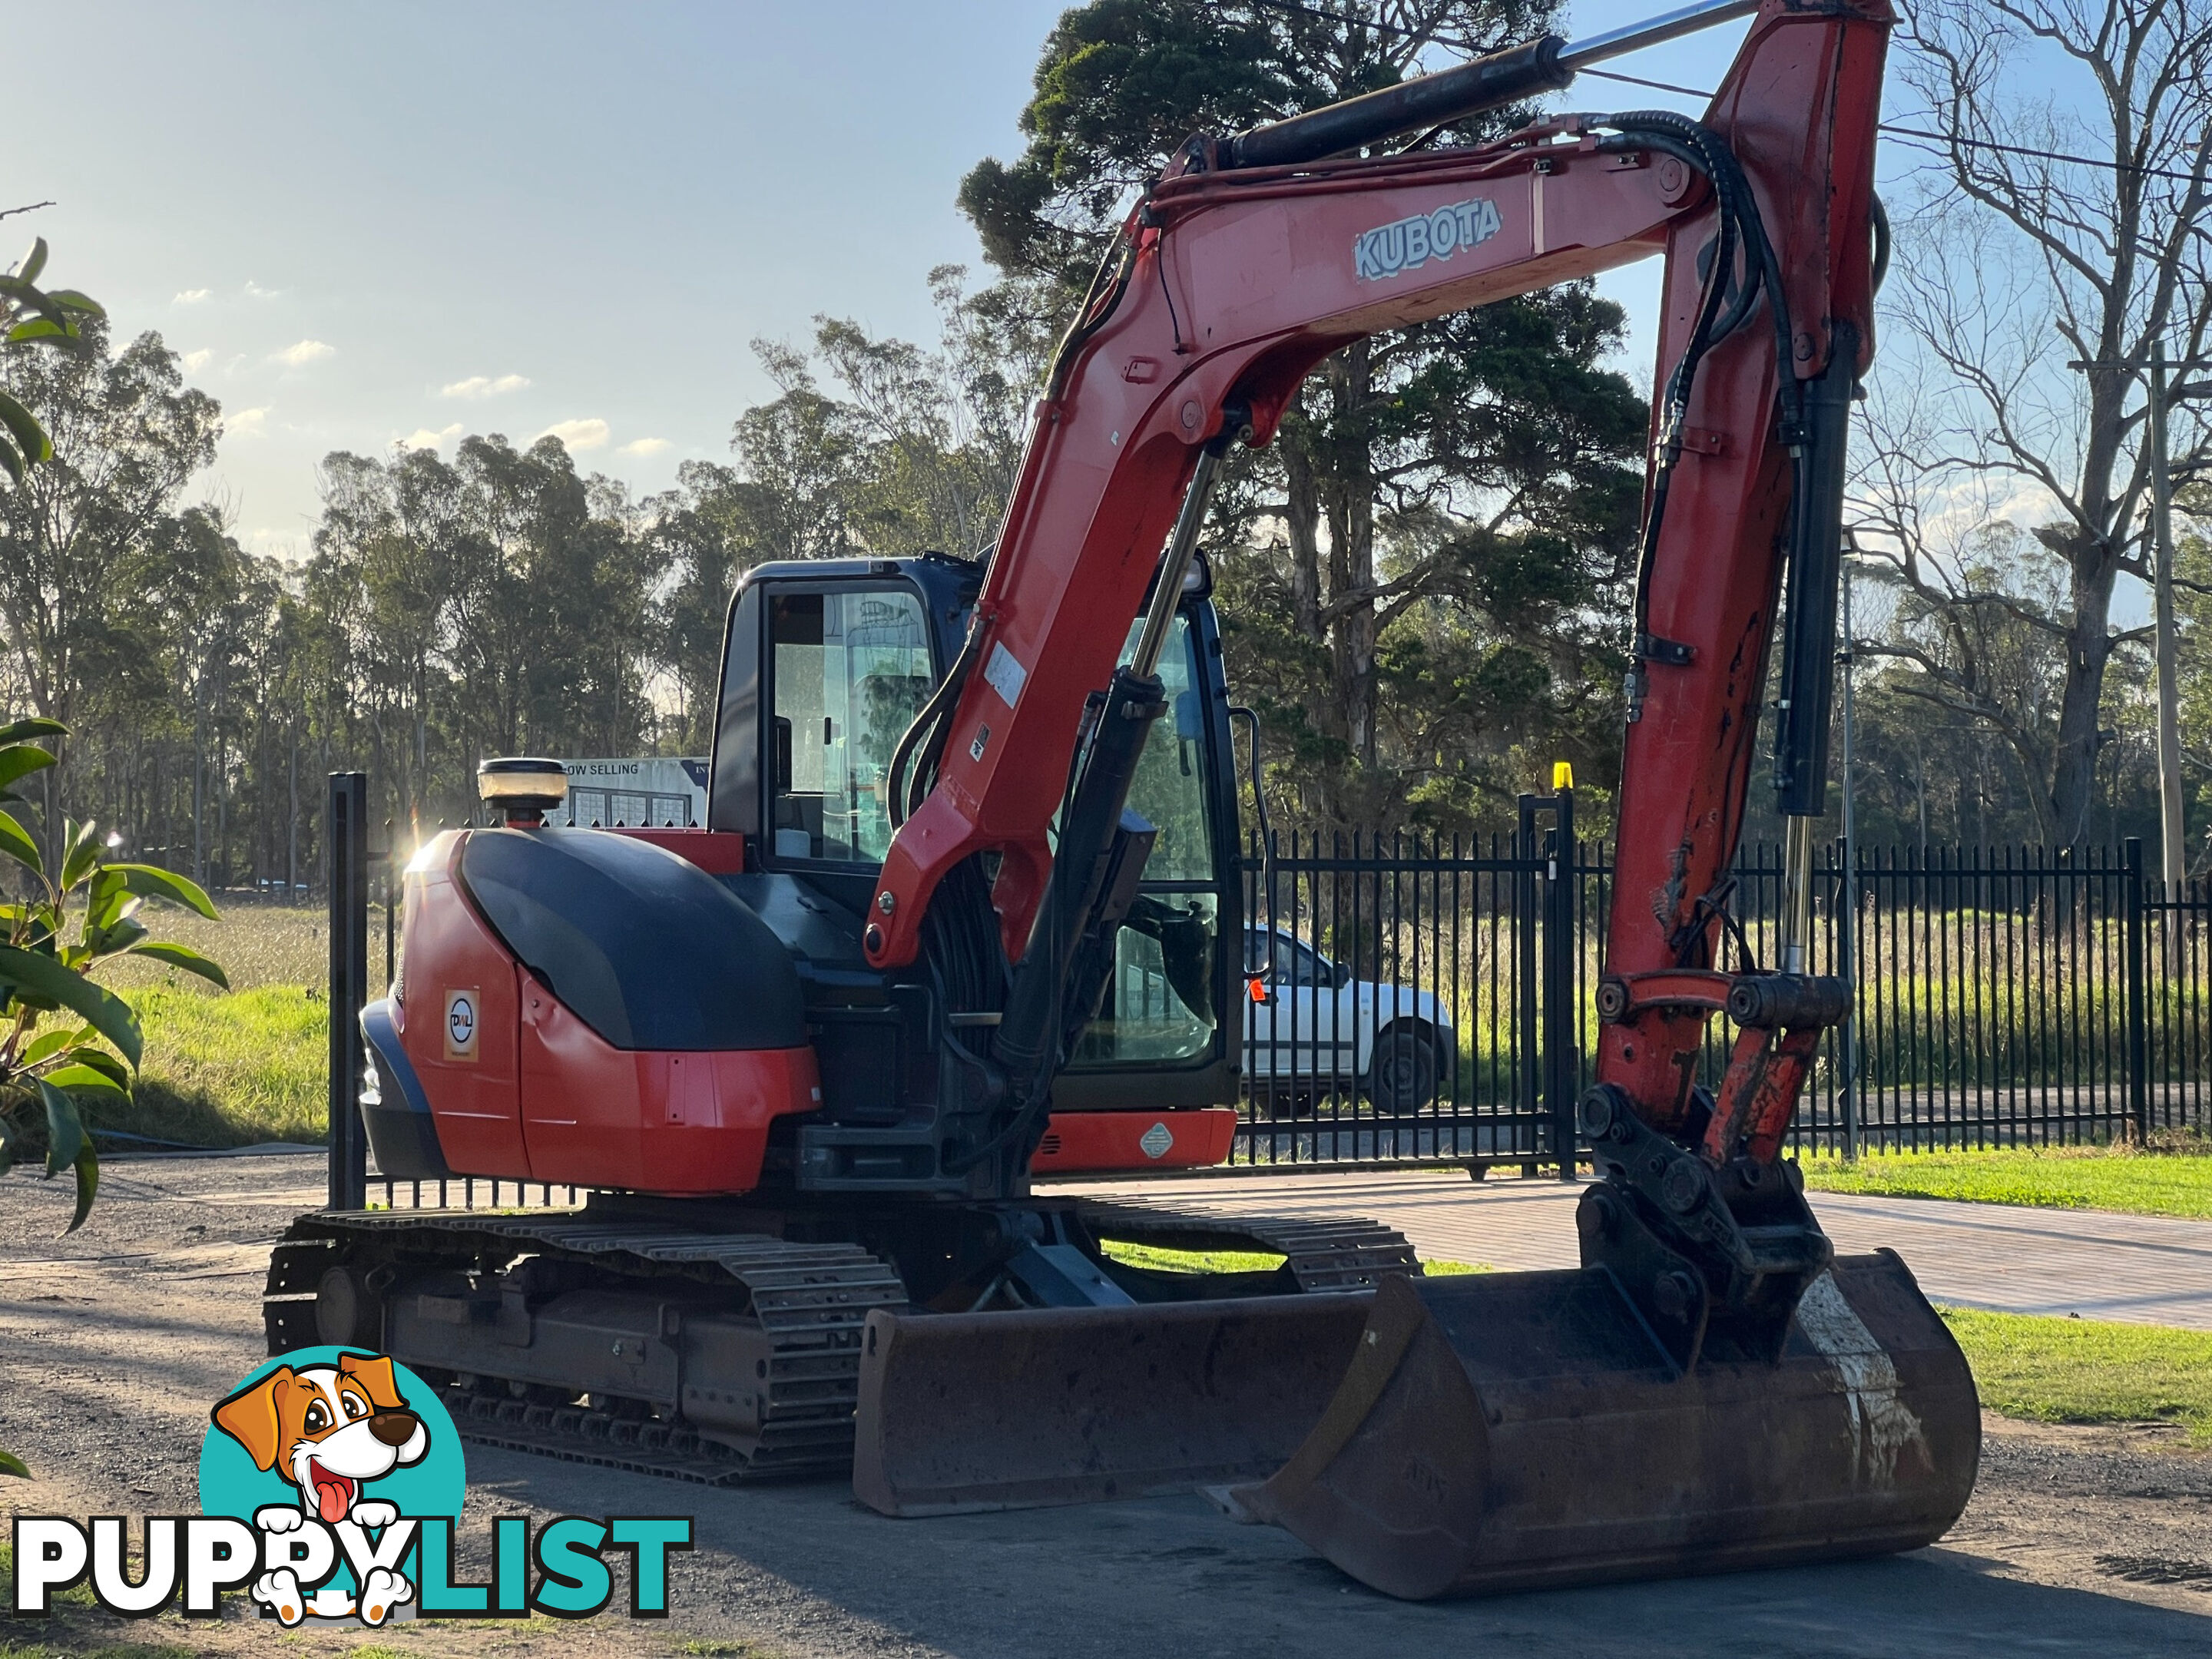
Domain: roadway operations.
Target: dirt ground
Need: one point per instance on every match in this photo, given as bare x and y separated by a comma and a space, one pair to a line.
114, 1342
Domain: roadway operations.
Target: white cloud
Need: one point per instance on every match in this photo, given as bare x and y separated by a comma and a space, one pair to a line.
642, 446
197, 360
304, 352
578, 434
190, 296
254, 290
422, 438
483, 385
246, 423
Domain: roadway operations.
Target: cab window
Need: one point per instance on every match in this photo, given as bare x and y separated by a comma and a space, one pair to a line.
851, 670
1158, 1007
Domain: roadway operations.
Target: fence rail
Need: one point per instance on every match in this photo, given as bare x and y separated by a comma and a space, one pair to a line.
1424, 1000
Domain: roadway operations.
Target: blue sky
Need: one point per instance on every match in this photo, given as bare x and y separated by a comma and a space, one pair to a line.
364, 225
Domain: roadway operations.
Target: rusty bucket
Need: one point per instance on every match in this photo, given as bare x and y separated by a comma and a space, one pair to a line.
1016, 1410
1525, 1430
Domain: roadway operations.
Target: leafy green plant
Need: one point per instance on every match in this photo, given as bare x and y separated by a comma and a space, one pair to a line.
62, 1033
29, 315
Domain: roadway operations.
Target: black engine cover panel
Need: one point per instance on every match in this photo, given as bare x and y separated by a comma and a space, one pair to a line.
649, 950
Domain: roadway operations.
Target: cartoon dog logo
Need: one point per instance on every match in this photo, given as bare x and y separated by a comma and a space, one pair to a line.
331, 1430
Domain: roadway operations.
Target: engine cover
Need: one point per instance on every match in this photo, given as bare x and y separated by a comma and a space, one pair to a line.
587, 1008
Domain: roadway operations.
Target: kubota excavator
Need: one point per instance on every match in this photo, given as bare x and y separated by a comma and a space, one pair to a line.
959, 914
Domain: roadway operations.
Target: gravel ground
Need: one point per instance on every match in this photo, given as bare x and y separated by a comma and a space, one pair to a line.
114, 1342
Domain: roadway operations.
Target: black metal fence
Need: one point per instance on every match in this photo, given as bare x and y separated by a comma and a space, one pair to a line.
1424, 1000
2004, 996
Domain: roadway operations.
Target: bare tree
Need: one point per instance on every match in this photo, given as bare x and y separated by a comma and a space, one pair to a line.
2058, 233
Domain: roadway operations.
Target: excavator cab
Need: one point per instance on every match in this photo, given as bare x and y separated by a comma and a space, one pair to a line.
827, 666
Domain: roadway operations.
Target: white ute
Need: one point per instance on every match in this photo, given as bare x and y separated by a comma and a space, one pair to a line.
1311, 1028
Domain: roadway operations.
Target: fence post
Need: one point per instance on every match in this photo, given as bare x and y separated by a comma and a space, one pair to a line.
1562, 944
348, 842
2136, 1013
1525, 851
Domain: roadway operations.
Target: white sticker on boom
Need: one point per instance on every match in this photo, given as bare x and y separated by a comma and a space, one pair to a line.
1157, 1140
1006, 675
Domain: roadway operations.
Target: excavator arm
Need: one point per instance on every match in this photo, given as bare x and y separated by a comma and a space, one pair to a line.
1713, 1387
1254, 258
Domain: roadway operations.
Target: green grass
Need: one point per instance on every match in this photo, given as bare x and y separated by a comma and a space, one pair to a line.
1237, 1261
2070, 1178
2088, 1370
227, 1071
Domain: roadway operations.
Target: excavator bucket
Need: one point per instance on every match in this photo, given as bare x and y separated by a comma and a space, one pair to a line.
1525, 1430
1014, 1410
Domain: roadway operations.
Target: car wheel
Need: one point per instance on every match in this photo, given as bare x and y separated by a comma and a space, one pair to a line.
1403, 1077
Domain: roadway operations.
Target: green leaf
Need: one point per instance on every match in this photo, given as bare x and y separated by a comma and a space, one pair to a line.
10, 462
44, 1047
8, 1139
118, 936
83, 854
11, 1464
38, 328
83, 1077
29, 435
106, 902
18, 845
34, 261
100, 1060
64, 1128
69, 299
184, 957
20, 760
87, 1185
44, 976
16, 730
148, 882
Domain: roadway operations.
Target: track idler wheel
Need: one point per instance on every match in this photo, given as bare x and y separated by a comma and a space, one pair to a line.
1524, 1430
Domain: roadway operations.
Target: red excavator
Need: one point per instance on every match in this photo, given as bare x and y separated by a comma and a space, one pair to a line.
961, 912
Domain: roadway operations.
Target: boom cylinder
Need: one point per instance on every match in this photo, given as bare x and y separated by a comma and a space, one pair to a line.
1489, 82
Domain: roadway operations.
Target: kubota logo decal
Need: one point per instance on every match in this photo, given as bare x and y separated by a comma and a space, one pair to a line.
1410, 243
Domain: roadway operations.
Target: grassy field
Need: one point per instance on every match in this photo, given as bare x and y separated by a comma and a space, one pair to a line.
2088, 1370
2068, 1177
237, 1069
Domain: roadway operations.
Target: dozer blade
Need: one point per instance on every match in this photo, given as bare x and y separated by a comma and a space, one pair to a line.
1524, 1430
1016, 1410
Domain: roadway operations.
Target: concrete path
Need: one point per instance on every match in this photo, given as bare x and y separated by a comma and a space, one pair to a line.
2153, 1270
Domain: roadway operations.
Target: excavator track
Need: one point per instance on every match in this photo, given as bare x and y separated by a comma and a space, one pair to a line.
811, 1301
1322, 1253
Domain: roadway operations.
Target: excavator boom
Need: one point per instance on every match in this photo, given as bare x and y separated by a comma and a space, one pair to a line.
1713, 1387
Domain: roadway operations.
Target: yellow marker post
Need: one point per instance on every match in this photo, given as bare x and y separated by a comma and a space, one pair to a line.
1562, 775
